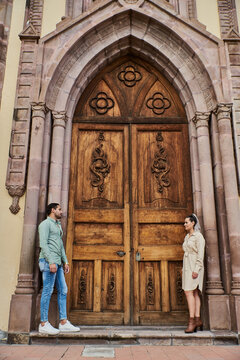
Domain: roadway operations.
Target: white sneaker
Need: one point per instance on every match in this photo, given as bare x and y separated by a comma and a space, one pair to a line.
68, 327
47, 328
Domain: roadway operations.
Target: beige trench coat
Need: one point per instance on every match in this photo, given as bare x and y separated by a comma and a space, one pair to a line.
193, 247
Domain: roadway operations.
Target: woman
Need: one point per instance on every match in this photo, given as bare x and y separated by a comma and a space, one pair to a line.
193, 270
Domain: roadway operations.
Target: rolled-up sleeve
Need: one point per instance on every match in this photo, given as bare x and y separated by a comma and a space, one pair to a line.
43, 231
200, 243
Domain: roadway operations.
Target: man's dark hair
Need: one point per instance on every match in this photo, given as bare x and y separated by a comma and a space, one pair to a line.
50, 207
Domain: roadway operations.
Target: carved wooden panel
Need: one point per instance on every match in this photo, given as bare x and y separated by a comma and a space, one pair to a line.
129, 88
98, 234
161, 165
150, 290
178, 298
99, 169
112, 285
82, 284
101, 101
161, 234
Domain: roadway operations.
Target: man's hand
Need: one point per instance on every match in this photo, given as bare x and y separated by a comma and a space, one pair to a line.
53, 268
66, 268
194, 275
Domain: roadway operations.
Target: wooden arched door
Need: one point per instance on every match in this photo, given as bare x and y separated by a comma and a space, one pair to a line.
130, 190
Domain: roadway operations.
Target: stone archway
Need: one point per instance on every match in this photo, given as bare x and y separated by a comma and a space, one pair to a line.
170, 45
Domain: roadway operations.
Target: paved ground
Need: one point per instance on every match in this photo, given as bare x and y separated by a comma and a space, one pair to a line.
118, 352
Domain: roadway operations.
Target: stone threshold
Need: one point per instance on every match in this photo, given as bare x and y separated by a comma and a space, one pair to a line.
129, 335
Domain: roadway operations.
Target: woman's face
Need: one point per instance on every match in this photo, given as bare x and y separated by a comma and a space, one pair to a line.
188, 224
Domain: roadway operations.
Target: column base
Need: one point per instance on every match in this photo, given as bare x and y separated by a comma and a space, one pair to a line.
214, 288
22, 309
235, 312
219, 312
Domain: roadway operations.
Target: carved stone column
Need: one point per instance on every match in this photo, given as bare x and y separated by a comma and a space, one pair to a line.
225, 258
22, 302
218, 304
223, 113
56, 165
214, 283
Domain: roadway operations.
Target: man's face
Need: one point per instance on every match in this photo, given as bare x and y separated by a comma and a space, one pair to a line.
57, 212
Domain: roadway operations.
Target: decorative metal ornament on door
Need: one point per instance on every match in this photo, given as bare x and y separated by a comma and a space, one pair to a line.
99, 167
160, 167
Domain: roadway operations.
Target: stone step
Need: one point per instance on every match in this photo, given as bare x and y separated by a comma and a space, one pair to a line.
114, 335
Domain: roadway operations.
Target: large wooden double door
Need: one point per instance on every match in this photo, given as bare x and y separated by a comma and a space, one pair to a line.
130, 191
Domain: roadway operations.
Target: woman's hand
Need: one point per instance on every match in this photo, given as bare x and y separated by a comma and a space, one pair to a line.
194, 275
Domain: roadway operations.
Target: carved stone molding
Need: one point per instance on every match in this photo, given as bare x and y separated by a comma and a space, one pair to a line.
16, 191
227, 16
235, 287
131, 2
201, 119
29, 33
25, 284
223, 111
214, 287
59, 118
38, 109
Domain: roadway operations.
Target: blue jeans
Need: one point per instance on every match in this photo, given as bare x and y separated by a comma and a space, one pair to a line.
49, 279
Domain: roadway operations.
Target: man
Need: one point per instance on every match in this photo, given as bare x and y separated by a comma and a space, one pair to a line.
53, 264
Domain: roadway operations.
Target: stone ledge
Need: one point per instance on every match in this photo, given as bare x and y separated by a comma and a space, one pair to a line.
129, 336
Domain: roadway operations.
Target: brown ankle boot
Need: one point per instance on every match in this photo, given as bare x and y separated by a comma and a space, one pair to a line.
192, 327
199, 323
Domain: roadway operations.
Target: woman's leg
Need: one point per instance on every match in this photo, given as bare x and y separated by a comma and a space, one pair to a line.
191, 307
191, 303
197, 302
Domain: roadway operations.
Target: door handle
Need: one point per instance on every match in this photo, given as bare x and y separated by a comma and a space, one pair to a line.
121, 253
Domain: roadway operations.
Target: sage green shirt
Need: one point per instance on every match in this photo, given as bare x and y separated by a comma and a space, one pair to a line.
51, 244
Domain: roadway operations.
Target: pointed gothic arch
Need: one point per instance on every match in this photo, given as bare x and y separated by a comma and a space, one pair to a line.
176, 56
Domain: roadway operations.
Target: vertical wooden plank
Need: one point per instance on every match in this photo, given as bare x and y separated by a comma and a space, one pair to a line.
70, 228
97, 285
165, 286
126, 229
134, 219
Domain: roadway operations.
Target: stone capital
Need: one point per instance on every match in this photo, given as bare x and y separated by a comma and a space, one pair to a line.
223, 111
59, 118
201, 119
38, 109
